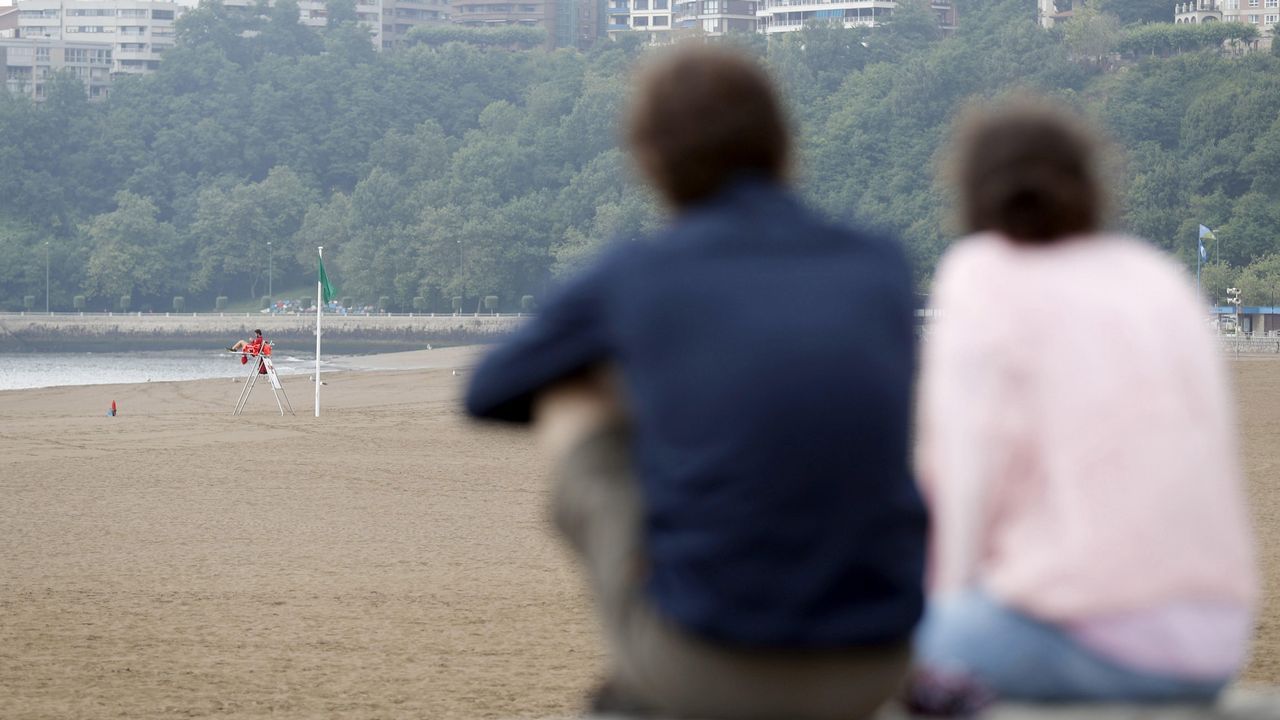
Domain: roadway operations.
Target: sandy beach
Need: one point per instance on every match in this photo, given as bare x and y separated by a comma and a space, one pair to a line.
389, 559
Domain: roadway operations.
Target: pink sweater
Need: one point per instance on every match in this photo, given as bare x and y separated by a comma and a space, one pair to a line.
1076, 435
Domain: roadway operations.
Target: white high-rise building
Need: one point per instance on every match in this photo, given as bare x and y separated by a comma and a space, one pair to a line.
139, 31
26, 63
790, 15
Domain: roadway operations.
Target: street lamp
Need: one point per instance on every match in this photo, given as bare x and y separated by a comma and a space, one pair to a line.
271, 260
46, 277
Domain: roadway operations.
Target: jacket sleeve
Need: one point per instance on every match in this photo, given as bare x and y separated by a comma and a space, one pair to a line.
567, 336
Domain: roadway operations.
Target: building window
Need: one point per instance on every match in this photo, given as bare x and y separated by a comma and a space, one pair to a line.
640, 22
1253, 3
1253, 19
42, 54
640, 5
660, 21
133, 13
1272, 19
161, 14
1273, 3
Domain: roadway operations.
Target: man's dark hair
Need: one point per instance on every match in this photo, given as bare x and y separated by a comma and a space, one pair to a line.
258, 331
1028, 170
703, 116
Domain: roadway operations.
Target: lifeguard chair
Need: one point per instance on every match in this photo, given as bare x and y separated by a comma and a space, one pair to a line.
262, 365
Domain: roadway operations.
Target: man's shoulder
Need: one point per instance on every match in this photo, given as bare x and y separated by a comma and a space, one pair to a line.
803, 227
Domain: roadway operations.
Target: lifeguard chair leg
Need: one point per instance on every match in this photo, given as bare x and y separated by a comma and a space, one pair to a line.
277, 387
248, 387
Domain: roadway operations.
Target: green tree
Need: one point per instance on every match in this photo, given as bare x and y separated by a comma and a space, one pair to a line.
1092, 35
132, 251
1215, 278
1259, 281
232, 227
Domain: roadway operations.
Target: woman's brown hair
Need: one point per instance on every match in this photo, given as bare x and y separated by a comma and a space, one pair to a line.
703, 116
1029, 170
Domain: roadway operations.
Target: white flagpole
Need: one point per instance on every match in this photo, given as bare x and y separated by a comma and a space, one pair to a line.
319, 312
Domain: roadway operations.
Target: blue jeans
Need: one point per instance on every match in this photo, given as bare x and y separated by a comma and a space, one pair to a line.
1022, 658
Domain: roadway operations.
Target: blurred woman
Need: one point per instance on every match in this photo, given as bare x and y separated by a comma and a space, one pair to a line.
1090, 540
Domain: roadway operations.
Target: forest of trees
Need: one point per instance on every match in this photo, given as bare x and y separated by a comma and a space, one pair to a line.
472, 166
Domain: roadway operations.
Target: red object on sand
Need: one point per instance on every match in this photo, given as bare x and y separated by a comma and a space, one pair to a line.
113, 407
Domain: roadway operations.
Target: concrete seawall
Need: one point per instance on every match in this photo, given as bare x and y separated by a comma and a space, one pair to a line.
37, 332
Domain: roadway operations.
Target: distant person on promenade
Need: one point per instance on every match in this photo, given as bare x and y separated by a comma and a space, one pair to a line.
730, 400
1077, 450
251, 346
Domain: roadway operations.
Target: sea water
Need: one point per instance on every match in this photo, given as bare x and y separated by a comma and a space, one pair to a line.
37, 370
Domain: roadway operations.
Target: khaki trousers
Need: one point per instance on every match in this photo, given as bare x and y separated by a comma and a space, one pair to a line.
667, 671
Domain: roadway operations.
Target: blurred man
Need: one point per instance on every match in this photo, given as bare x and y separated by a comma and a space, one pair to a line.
730, 402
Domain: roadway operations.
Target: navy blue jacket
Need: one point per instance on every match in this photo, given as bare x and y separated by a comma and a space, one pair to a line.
767, 360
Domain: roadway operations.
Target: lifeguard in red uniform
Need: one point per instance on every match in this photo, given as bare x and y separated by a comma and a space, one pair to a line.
254, 346
250, 347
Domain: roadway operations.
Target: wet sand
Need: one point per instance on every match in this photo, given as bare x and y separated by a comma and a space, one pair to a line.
389, 559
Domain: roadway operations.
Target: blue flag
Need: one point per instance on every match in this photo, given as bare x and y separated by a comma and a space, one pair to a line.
1205, 233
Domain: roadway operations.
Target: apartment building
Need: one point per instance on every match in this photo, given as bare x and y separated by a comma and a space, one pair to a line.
1265, 14
777, 16
664, 19
568, 23
715, 17
491, 13
401, 16
138, 31
27, 63
652, 17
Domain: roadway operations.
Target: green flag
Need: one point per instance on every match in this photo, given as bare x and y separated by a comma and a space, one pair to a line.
327, 290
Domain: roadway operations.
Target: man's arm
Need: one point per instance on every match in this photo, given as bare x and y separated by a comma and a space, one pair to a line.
569, 336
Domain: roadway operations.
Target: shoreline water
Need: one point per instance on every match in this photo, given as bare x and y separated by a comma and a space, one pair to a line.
343, 334
33, 371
